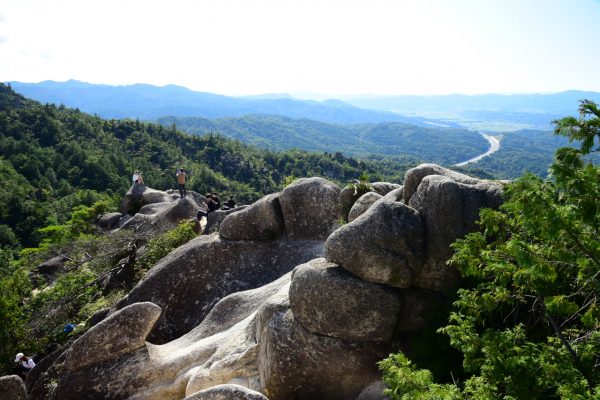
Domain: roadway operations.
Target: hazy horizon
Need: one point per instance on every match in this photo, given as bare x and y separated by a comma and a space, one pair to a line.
335, 48
314, 95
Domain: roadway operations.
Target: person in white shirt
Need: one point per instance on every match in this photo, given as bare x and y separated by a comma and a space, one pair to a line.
137, 178
25, 362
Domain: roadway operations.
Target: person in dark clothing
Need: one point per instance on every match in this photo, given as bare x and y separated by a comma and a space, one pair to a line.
210, 207
215, 198
212, 202
230, 203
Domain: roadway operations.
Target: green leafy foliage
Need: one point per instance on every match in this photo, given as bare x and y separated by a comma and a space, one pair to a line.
34, 312
162, 245
14, 287
406, 382
54, 159
527, 323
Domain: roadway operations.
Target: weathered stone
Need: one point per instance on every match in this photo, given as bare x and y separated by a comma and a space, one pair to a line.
373, 392
395, 195
449, 210
215, 218
123, 220
296, 364
414, 176
328, 300
227, 392
222, 349
236, 359
119, 334
310, 208
98, 316
361, 205
12, 387
140, 195
316, 335
109, 221
383, 245
243, 340
52, 266
262, 220
348, 196
189, 281
159, 217
384, 188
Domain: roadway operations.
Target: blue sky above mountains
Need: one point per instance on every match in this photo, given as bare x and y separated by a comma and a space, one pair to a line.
337, 47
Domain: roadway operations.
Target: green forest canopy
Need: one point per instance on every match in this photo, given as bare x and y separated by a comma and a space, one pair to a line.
54, 158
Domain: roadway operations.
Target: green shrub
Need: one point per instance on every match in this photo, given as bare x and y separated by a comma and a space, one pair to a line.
528, 326
159, 247
406, 382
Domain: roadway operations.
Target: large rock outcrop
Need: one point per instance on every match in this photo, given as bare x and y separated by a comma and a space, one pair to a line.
222, 349
141, 195
363, 203
12, 387
449, 210
414, 176
384, 245
236, 321
328, 300
310, 208
262, 220
189, 281
121, 333
404, 251
227, 392
297, 364
155, 218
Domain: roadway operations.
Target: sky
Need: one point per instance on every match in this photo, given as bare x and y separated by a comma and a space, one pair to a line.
335, 47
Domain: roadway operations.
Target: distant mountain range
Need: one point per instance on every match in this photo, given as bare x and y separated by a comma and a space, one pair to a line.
493, 112
490, 112
148, 102
370, 126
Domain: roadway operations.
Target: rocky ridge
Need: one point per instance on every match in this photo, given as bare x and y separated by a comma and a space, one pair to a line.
282, 302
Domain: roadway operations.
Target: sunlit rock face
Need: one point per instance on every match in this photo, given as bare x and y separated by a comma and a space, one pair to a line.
284, 303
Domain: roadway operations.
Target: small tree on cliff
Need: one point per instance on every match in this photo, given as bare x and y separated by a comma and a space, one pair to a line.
530, 325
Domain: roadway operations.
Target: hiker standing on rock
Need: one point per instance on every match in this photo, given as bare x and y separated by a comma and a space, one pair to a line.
137, 178
181, 182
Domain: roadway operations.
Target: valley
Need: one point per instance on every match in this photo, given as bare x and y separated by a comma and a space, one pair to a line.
441, 129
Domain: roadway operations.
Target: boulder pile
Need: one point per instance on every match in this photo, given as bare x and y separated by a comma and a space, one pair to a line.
282, 302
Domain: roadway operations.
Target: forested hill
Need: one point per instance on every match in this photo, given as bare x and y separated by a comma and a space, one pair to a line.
520, 152
54, 158
391, 139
